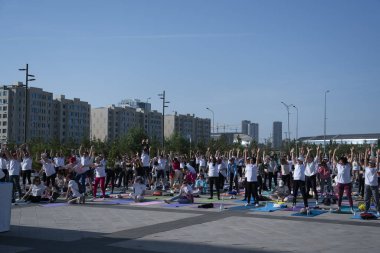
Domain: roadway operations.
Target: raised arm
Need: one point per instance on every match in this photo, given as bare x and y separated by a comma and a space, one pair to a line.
257, 157
292, 155
366, 157
351, 155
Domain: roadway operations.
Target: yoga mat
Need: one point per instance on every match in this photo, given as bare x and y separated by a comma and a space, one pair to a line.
346, 210
268, 208
240, 208
314, 212
148, 203
357, 216
55, 205
177, 205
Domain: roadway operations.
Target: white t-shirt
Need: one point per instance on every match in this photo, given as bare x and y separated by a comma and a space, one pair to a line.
355, 165
251, 172
26, 164
138, 189
145, 159
3, 163
59, 161
213, 170
85, 162
74, 188
38, 190
202, 162
299, 172
191, 168
311, 168
162, 163
371, 176
48, 167
100, 170
14, 167
344, 174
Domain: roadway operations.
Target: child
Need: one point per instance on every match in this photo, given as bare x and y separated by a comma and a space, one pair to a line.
36, 191
185, 195
73, 195
138, 190
200, 184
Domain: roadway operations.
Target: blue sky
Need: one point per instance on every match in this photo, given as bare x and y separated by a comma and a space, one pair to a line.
241, 58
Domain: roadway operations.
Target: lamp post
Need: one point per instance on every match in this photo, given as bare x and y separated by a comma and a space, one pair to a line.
324, 128
296, 130
213, 129
288, 109
27, 80
164, 102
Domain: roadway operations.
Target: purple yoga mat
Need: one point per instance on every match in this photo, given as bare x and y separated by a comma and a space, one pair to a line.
54, 205
148, 203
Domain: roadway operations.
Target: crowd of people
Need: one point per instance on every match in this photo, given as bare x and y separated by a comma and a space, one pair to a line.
311, 173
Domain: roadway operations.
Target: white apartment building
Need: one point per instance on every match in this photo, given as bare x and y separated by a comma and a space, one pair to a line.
188, 126
71, 120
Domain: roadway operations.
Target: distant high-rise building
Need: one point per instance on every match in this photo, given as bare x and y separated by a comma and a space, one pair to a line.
253, 131
245, 126
277, 135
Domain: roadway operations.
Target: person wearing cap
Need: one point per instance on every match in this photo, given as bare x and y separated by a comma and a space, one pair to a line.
343, 179
299, 178
371, 182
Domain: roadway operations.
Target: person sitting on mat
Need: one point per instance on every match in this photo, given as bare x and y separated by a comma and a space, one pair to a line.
280, 192
185, 195
138, 190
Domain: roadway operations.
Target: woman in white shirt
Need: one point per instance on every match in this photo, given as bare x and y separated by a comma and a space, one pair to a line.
343, 179
36, 191
26, 167
49, 169
251, 169
213, 176
299, 178
14, 169
371, 182
100, 176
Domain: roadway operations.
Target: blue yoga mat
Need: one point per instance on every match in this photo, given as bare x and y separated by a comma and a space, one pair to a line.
314, 212
268, 208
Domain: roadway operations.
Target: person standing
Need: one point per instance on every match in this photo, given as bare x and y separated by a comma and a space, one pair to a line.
343, 178
213, 176
299, 178
14, 169
371, 182
311, 173
251, 169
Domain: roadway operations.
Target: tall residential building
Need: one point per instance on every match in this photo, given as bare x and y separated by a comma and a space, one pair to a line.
40, 114
245, 126
188, 126
136, 103
112, 122
71, 120
253, 131
48, 119
277, 135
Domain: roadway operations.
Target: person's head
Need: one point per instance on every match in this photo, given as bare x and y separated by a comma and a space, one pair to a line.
372, 163
85, 153
283, 161
69, 177
201, 176
138, 180
36, 181
27, 154
310, 159
248, 160
43, 156
98, 159
300, 159
343, 160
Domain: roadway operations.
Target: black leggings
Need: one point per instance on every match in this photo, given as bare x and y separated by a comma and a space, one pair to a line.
26, 174
286, 179
298, 184
252, 190
50, 179
260, 184
110, 179
361, 185
214, 180
311, 182
221, 181
234, 180
35, 199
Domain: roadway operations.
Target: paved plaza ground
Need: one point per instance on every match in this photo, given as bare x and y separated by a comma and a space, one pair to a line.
115, 225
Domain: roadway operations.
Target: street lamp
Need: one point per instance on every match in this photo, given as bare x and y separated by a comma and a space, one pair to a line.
213, 129
288, 109
324, 128
162, 96
296, 130
27, 80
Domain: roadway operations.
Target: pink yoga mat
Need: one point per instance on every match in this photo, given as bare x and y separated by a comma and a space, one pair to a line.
147, 203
